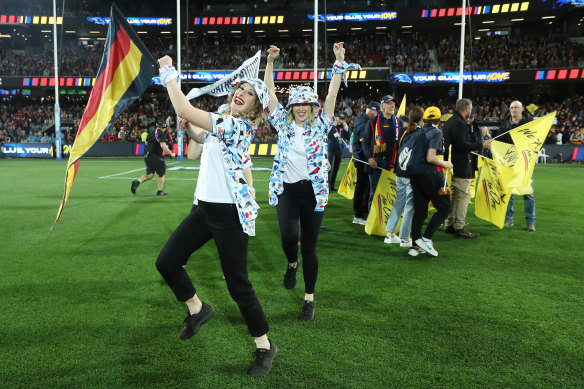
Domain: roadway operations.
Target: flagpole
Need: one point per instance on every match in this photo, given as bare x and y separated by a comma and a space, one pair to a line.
461, 62
355, 159
58, 147
179, 133
315, 51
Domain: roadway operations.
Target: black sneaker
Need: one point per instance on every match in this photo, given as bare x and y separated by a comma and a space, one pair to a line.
449, 230
194, 322
307, 312
264, 359
161, 193
290, 277
135, 185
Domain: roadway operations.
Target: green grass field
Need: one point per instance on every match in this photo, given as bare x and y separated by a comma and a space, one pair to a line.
87, 308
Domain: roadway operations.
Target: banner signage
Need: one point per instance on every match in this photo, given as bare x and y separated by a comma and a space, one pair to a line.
451, 77
358, 17
134, 21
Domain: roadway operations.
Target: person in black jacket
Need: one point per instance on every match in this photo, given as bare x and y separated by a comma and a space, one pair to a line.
338, 136
517, 118
361, 196
380, 142
457, 135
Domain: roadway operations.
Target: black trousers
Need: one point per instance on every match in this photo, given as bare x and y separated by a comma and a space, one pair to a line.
361, 198
219, 222
335, 161
425, 189
295, 204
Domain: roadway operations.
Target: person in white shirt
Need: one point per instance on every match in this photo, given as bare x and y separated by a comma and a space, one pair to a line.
299, 179
224, 208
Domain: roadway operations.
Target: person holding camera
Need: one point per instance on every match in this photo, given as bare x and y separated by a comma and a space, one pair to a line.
338, 136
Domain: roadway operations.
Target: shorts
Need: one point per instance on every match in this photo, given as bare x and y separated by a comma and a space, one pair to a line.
156, 164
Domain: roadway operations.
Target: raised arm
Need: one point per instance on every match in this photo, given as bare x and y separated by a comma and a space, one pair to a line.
273, 53
331, 97
183, 108
195, 133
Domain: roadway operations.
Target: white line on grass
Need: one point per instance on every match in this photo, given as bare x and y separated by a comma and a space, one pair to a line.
169, 179
129, 171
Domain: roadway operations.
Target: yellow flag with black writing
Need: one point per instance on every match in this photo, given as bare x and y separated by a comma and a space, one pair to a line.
508, 155
382, 204
491, 199
347, 187
530, 136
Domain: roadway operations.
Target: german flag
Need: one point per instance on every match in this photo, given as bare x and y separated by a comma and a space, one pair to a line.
126, 70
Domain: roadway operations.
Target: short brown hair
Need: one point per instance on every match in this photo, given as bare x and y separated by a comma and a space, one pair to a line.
463, 104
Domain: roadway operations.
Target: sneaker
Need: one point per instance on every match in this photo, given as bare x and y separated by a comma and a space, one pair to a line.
135, 185
449, 230
290, 277
307, 312
161, 193
359, 220
263, 360
531, 227
426, 245
194, 322
405, 243
414, 251
391, 239
462, 233
508, 223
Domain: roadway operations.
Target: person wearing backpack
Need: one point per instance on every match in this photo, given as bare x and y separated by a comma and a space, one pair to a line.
427, 186
404, 197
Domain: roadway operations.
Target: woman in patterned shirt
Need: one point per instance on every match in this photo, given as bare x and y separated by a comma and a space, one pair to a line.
299, 179
224, 208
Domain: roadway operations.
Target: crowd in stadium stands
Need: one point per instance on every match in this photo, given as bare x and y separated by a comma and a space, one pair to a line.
29, 120
399, 53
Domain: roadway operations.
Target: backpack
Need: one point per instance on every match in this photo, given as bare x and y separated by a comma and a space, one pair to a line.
411, 155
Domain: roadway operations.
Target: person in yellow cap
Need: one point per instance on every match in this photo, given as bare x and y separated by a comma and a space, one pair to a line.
426, 187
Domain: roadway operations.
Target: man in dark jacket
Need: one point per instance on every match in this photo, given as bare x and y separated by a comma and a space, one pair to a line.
457, 135
380, 142
361, 197
516, 119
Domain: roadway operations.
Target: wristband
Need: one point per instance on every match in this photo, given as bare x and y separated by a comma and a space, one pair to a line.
343, 67
167, 73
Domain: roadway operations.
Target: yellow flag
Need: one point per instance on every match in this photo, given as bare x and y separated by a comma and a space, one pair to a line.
532, 108
491, 200
520, 163
530, 136
473, 189
383, 202
347, 187
402, 107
